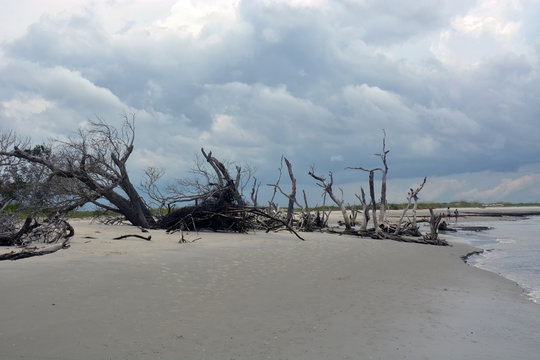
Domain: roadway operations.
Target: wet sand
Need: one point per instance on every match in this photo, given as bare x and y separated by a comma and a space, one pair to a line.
258, 296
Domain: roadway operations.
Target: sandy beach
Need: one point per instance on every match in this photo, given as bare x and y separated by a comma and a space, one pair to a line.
258, 296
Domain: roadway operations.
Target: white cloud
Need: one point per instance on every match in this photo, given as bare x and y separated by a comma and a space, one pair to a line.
189, 18
503, 189
25, 106
490, 16
489, 29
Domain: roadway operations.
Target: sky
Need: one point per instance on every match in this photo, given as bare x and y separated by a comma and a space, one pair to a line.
454, 84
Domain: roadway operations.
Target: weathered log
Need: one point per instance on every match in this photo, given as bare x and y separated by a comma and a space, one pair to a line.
34, 251
381, 235
443, 226
133, 235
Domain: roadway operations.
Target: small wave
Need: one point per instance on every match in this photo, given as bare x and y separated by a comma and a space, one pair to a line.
506, 241
534, 295
517, 259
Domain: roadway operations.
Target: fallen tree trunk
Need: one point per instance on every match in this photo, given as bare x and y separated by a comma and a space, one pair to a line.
14, 239
381, 235
31, 232
34, 251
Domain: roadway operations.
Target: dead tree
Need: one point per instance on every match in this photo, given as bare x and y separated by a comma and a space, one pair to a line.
384, 171
327, 187
92, 166
365, 209
255, 192
34, 238
27, 186
413, 193
292, 196
306, 222
165, 203
354, 214
323, 215
371, 193
9, 235
272, 205
433, 236
218, 201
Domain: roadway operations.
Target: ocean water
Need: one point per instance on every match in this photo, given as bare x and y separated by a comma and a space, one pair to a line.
511, 249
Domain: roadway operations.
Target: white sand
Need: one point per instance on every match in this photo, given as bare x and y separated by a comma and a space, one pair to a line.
259, 296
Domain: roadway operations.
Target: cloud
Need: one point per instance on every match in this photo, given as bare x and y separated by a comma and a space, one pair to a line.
503, 189
453, 85
188, 18
489, 29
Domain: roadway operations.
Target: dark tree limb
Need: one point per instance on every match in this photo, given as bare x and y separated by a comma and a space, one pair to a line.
34, 251
15, 239
133, 235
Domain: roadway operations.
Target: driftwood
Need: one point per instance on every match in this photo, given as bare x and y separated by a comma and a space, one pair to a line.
133, 235
382, 235
372, 192
384, 171
327, 188
443, 226
34, 251
14, 238
228, 218
434, 222
50, 231
413, 194
291, 197
365, 209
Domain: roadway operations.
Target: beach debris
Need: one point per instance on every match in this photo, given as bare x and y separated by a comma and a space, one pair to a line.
148, 238
473, 228
34, 238
27, 252
88, 168
443, 226
327, 188
291, 197
219, 205
365, 209
413, 194
433, 236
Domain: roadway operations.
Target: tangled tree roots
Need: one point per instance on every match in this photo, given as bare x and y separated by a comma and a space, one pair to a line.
222, 218
49, 236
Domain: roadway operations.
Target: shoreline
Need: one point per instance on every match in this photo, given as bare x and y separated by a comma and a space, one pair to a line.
499, 255
259, 296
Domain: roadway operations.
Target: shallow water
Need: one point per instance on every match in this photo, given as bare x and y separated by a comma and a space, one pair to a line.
512, 249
